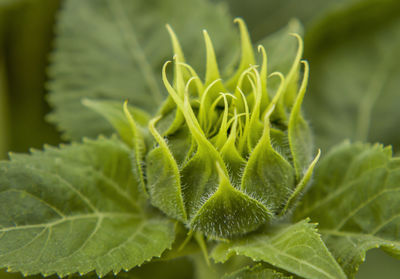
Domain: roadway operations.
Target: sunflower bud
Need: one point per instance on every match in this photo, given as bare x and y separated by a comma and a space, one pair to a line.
229, 155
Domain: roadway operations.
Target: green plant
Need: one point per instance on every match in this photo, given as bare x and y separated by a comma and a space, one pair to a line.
212, 180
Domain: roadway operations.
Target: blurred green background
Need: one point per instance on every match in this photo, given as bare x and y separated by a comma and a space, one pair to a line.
347, 42
25, 36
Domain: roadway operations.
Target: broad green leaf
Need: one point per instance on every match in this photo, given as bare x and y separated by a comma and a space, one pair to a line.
256, 272
175, 269
76, 209
296, 248
355, 198
114, 50
354, 86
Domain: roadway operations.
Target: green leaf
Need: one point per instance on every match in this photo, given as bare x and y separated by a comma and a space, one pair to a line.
76, 209
296, 248
131, 125
356, 200
114, 113
113, 50
354, 86
266, 16
175, 269
256, 272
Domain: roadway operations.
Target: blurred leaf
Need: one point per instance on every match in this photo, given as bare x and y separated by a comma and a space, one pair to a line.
355, 69
181, 268
210, 270
76, 209
266, 16
341, 23
296, 248
355, 198
256, 272
4, 3
204, 270
347, 43
112, 111
115, 49
378, 264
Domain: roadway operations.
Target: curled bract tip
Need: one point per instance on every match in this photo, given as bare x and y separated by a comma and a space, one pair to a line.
260, 48
278, 74
239, 20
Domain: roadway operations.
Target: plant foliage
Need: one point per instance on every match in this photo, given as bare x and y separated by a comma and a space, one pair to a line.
213, 171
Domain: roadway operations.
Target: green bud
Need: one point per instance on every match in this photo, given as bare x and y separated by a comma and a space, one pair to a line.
229, 156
